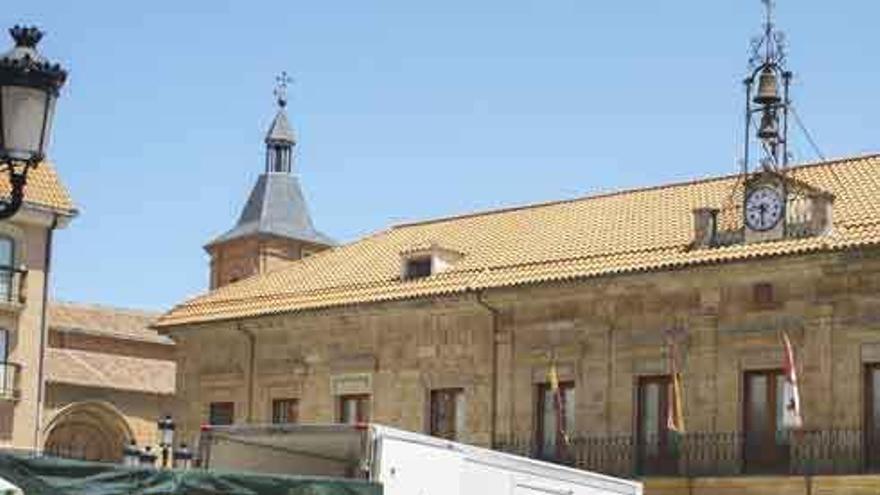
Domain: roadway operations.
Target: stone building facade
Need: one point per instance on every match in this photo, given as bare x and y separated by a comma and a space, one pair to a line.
109, 378
452, 326
25, 261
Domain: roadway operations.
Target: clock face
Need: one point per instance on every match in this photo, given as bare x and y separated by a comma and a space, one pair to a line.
764, 208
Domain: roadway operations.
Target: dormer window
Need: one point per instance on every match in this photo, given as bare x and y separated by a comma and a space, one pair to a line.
418, 267
426, 259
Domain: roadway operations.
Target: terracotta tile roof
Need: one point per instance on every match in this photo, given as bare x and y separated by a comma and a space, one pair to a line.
44, 189
127, 324
642, 229
93, 369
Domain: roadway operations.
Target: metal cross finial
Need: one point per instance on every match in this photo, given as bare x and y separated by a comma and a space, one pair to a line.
281, 88
768, 5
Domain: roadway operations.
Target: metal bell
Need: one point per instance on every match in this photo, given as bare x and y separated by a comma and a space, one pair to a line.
769, 129
768, 88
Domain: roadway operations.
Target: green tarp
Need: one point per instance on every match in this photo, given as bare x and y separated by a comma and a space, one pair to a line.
53, 476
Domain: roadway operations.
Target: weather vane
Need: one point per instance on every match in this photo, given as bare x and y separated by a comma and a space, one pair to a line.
282, 81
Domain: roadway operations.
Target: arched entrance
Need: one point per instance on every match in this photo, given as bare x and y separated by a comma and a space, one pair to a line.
94, 431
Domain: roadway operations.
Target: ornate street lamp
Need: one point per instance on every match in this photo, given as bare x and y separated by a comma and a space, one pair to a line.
183, 457
165, 430
131, 455
29, 86
147, 458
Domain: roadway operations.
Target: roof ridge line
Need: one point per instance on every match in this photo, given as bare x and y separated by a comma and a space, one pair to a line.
477, 271
105, 307
620, 192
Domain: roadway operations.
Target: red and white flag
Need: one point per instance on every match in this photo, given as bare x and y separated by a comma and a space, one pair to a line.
791, 398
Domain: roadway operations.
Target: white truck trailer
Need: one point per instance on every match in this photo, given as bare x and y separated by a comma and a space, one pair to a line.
405, 463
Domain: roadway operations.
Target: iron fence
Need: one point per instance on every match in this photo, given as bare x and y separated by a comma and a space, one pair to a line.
814, 452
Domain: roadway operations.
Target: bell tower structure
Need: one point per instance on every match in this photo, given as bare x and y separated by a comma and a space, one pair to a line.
274, 227
764, 103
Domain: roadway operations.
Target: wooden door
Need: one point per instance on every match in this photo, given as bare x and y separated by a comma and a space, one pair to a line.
656, 444
766, 444
872, 417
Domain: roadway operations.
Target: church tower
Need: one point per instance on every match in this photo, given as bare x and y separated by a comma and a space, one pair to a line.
274, 227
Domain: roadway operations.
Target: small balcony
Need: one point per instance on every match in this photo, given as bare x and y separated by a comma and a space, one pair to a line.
816, 452
10, 377
13, 287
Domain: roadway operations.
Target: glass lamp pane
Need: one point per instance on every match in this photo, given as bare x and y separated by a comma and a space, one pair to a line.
23, 112
168, 436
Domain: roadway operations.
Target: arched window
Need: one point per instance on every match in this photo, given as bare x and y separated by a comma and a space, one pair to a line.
7, 268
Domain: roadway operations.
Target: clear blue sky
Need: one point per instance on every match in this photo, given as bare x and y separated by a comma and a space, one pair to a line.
405, 110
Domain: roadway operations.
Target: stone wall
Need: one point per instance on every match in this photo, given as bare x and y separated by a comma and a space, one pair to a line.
604, 333
762, 485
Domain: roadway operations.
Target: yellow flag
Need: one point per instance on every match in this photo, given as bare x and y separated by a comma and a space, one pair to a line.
675, 419
553, 377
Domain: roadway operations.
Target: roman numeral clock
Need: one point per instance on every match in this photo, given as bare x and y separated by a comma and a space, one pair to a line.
764, 204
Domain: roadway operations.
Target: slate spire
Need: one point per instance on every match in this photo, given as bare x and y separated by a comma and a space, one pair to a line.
276, 205
280, 139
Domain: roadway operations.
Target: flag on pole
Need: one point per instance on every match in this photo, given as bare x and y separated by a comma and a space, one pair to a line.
553, 378
675, 412
791, 414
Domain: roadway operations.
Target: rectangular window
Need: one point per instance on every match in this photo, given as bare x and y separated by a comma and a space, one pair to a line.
7, 273
418, 267
555, 419
354, 409
447, 413
221, 413
657, 453
763, 295
766, 446
4, 345
285, 411
872, 416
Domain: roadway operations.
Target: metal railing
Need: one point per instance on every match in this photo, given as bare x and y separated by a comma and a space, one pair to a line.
814, 452
9, 380
13, 285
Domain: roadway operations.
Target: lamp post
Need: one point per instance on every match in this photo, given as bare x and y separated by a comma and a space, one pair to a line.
29, 87
147, 458
165, 431
131, 455
183, 457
